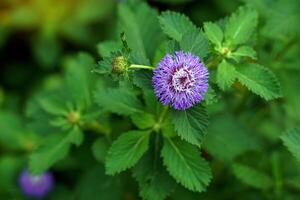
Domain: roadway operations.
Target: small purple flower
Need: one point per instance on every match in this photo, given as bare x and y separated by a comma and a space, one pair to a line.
36, 186
180, 80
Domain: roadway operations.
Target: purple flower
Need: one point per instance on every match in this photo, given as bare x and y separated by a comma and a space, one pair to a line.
180, 80
36, 186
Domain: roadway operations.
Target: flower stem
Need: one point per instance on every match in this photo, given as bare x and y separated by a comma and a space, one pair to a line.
141, 67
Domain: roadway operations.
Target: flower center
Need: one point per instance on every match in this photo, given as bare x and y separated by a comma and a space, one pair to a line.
182, 80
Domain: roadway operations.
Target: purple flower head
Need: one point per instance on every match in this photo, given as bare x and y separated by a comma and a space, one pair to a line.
36, 186
180, 80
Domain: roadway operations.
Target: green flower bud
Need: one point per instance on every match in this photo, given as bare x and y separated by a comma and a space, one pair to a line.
119, 65
73, 117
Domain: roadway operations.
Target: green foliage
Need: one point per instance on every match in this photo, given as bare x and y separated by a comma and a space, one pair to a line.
214, 33
194, 42
88, 122
141, 28
228, 138
226, 75
252, 177
110, 100
291, 140
126, 151
53, 149
259, 80
184, 163
191, 124
154, 182
240, 26
175, 24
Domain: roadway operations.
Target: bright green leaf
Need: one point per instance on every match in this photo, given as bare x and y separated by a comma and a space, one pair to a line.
214, 33
184, 163
259, 80
244, 51
194, 42
226, 75
175, 24
143, 120
191, 124
126, 151
240, 26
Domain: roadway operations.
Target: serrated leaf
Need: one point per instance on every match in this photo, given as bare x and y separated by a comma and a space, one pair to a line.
118, 100
259, 80
214, 33
143, 79
126, 151
228, 138
251, 176
241, 25
291, 140
184, 163
143, 120
53, 149
210, 96
141, 28
104, 66
175, 24
154, 181
244, 51
191, 124
226, 75
194, 42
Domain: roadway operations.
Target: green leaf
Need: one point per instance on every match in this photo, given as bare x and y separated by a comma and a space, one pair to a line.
118, 100
214, 33
154, 181
53, 149
107, 47
143, 120
194, 42
191, 124
141, 28
126, 151
228, 138
259, 80
53, 104
291, 140
143, 79
175, 24
244, 51
226, 75
105, 66
100, 148
240, 26
210, 96
78, 79
184, 163
76, 136
251, 176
